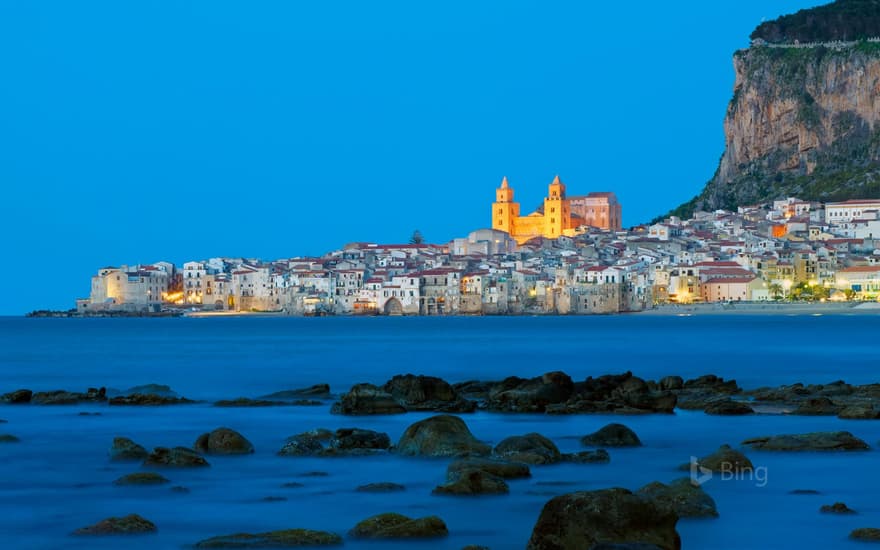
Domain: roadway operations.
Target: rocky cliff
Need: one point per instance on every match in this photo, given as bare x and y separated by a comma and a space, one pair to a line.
803, 121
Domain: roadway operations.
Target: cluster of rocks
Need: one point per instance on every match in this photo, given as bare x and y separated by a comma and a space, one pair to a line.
142, 395
846, 401
401, 394
342, 442
310, 396
222, 441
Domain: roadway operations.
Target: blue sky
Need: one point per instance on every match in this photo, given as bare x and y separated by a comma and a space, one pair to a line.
165, 130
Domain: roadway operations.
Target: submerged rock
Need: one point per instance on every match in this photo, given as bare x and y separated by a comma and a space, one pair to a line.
223, 441
472, 482
532, 448
836, 508
612, 435
63, 397
398, 526
148, 399
868, 534
817, 406
346, 439
729, 407
588, 519
681, 497
124, 448
131, 524
367, 399
599, 456
178, 457
318, 391
441, 435
142, 478
9, 438
343, 442
155, 389
816, 441
381, 487
859, 412
17, 397
247, 402
273, 539
499, 468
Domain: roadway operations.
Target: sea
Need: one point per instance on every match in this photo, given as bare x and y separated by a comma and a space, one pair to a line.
59, 478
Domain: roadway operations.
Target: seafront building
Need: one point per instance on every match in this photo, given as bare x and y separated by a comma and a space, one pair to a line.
552, 262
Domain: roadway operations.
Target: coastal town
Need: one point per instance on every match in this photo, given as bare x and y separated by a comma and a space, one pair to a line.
570, 256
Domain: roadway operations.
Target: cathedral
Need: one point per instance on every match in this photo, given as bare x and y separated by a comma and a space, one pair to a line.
560, 215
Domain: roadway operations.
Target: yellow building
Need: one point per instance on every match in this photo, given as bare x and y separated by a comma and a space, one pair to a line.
553, 220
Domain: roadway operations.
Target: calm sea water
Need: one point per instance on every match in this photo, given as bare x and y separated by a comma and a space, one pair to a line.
59, 478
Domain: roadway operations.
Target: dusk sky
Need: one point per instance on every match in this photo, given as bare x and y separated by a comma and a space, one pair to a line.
133, 132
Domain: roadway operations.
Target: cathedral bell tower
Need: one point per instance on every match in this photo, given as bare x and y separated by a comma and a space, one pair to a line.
504, 210
557, 214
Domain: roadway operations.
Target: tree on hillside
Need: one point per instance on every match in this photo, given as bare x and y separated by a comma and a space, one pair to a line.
417, 237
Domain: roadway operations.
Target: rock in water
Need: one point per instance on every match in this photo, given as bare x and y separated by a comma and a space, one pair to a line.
142, 478
836, 508
132, 524
427, 393
273, 539
499, 468
318, 391
599, 456
682, 497
612, 435
868, 534
398, 526
816, 441
532, 448
17, 397
381, 487
530, 395
609, 516
728, 407
124, 448
9, 438
367, 399
726, 459
223, 441
179, 457
472, 482
441, 435
859, 412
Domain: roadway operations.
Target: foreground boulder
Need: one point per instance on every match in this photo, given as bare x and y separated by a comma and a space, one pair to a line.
223, 441
132, 524
609, 516
367, 399
726, 459
532, 448
17, 397
498, 468
124, 448
177, 457
530, 395
816, 441
681, 497
427, 393
398, 526
441, 435
472, 482
612, 435
287, 537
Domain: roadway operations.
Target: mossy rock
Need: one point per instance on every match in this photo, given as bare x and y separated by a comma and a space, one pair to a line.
398, 526
142, 478
131, 524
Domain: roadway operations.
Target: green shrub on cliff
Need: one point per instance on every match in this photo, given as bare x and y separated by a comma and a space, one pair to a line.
845, 20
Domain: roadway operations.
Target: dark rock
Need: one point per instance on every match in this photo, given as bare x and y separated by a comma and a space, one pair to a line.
610, 516
530, 395
475, 389
9, 438
142, 478
859, 412
729, 407
247, 402
620, 393
318, 391
726, 459
367, 399
818, 406
398, 526
154, 389
474, 547
612, 435
273, 498
273, 539
126, 449
132, 524
816, 441
356, 438
441, 435
178, 457
344, 442
532, 448
836, 508
302, 445
17, 397
714, 383
223, 441
599, 456
681, 497
427, 393
498, 468
868, 534
292, 485
472, 482
148, 399
382, 487
179, 489
62, 397
804, 492
671, 383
